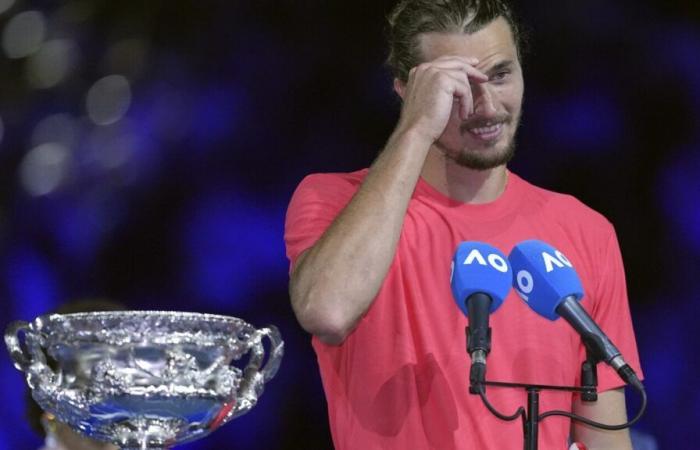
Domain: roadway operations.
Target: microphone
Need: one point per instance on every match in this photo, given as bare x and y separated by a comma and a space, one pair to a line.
480, 280
549, 284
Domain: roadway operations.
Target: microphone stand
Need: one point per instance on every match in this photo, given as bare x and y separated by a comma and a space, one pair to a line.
531, 418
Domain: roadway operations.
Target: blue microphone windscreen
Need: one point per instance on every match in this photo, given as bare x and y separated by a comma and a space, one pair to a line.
480, 267
543, 277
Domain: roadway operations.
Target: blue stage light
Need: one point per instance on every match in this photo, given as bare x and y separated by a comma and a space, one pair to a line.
32, 282
232, 248
678, 194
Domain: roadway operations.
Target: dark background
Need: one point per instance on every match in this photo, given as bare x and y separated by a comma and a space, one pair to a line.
148, 151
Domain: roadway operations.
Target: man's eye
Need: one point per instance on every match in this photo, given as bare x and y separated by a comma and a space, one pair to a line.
498, 76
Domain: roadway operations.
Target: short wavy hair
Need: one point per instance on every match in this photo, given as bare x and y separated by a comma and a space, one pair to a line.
411, 18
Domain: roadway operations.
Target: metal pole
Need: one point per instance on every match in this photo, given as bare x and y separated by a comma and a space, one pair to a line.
533, 414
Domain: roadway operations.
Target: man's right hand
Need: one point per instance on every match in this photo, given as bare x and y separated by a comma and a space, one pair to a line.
433, 90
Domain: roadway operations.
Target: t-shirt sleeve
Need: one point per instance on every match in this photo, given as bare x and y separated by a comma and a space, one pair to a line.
316, 202
612, 313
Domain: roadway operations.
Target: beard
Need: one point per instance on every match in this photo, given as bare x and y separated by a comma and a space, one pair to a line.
477, 160
484, 158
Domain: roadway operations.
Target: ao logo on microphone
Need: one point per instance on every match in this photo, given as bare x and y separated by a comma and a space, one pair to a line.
558, 260
494, 260
525, 280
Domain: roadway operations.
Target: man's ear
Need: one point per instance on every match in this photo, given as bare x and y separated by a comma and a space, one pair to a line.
399, 87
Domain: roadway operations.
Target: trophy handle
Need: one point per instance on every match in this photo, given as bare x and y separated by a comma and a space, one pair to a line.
274, 355
21, 358
32, 360
256, 374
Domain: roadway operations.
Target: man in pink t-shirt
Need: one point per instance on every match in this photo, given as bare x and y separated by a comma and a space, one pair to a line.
371, 253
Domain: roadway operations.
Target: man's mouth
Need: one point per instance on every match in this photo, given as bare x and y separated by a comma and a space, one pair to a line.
487, 133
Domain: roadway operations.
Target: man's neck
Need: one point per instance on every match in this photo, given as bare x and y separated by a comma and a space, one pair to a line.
461, 183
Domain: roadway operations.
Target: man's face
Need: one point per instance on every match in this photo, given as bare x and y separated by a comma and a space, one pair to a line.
486, 139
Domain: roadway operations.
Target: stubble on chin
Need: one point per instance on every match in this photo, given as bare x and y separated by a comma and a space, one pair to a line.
484, 158
479, 159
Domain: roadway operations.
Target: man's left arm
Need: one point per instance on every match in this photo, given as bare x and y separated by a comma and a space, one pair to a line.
609, 409
611, 312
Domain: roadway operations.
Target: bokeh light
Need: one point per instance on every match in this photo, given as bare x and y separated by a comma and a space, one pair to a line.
111, 146
54, 61
59, 128
108, 100
44, 168
24, 34
5, 5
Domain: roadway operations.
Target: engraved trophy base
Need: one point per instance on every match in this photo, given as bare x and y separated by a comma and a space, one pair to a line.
144, 379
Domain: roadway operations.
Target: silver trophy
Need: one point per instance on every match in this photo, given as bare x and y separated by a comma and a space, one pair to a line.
144, 379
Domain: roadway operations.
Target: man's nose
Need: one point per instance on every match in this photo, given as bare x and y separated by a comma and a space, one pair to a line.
483, 101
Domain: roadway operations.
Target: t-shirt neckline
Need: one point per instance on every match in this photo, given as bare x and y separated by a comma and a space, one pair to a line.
506, 202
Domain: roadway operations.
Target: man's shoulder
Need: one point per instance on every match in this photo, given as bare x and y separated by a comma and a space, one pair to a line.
329, 180
565, 206
327, 188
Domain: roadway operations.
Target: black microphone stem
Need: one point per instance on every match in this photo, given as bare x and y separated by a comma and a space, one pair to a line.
478, 338
597, 343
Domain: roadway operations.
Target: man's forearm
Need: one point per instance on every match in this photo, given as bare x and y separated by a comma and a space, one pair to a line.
336, 280
610, 409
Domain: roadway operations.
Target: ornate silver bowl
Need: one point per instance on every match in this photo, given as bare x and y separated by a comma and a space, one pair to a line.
144, 379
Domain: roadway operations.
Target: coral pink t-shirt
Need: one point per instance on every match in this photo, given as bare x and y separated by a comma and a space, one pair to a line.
400, 379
